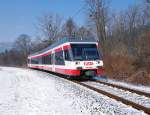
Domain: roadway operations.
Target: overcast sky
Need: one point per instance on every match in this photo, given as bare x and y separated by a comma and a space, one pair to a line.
20, 16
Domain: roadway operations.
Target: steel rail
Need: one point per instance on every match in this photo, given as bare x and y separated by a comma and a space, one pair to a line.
124, 88
125, 101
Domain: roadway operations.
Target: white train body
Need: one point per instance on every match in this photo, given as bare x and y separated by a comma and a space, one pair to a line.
71, 57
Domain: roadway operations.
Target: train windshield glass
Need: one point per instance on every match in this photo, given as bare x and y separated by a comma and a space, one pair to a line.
85, 52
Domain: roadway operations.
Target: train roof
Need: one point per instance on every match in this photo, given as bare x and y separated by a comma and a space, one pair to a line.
65, 40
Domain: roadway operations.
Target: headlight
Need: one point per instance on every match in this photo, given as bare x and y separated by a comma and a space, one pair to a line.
100, 62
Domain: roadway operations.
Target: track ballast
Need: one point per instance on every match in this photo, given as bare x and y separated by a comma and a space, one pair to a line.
116, 97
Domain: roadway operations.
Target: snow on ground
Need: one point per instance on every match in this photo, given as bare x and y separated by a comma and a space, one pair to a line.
31, 92
24, 92
137, 87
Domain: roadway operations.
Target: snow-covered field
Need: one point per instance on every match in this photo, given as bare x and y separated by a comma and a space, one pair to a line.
31, 92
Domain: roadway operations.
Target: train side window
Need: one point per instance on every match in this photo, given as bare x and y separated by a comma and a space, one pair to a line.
67, 56
59, 60
39, 60
46, 60
49, 59
53, 58
43, 60
34, 61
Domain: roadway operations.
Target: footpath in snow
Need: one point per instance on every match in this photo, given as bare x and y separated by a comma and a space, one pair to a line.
31, 92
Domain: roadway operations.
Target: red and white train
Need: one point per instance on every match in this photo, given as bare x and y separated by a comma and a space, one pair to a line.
74, 58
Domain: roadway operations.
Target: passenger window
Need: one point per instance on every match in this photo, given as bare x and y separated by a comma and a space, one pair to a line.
67, 56
46, 59
59, 58
35, 61
53, 58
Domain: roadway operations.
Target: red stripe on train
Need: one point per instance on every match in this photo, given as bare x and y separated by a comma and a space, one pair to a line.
68, 71
50, 52
58, 49
66, 47
58, 70
100, 71
46, 54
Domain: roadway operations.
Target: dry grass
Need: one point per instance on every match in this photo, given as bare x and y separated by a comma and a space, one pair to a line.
120, 65
139, 77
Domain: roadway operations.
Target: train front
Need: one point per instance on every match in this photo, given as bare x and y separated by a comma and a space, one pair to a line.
87, 60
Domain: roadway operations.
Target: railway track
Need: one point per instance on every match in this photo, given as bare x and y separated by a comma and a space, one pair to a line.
116, 97
125, 88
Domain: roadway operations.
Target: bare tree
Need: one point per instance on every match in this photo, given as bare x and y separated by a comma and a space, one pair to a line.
39, 44
132, 18
69, 28
50, 25
147, 11
98, 14
23, 46
83, 32
118, 26
126, 27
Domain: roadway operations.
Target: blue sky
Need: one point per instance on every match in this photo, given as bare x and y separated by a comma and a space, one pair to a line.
21, 16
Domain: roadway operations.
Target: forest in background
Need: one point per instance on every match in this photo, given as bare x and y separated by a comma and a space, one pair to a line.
124, 37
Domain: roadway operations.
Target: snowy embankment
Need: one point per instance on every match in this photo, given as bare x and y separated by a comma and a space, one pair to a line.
30, 92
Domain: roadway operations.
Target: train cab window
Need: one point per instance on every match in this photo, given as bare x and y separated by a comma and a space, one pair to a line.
85, 52
67, 56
